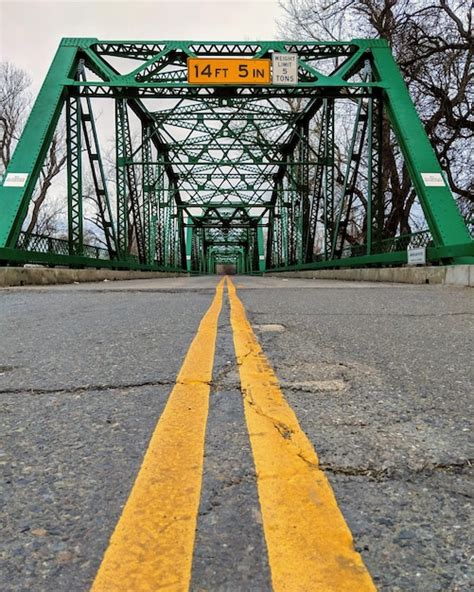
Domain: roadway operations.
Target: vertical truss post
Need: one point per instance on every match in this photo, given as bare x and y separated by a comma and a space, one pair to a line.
174, 232
250, 246
195, 263
211, 261
205, 253
279, 242
273, 259
197, 253
200, 259
260, 248
128, 178
378, 201
172, 248
369, 175
375, 204
202, 252
375, 198
242, 260
293, 207
270, 238
285, 253
160, 194
91, 142
149, 196
181, 243
74, 170
169, 243
168, 226
189, 245
303, 190
349, 183
328, 176
254, 242
121, 177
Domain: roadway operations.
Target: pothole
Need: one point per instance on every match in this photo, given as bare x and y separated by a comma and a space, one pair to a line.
330, 374
271, 328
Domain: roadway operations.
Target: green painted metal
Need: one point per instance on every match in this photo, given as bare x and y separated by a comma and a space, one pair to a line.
121, 181
445, 222
92, 145
74, 173
228, 174
33, 146
148, 193
261, 251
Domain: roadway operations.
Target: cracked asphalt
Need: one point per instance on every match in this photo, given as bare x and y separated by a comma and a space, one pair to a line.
379, 376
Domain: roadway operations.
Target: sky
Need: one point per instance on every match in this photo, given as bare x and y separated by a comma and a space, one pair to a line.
30, 30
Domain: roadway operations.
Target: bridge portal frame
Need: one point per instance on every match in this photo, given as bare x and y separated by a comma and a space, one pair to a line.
291, 233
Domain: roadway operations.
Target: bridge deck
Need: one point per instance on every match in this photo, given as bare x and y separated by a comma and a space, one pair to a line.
379, 377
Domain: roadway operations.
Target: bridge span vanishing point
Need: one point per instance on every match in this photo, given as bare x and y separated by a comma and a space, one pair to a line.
249, 433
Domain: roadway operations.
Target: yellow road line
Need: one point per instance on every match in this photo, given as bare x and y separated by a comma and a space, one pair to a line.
309, 544
152, 546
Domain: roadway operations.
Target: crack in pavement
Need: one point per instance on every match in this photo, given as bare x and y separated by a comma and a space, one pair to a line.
383, 474
69, 289
214, 384
88, 388
282, 428
218, 382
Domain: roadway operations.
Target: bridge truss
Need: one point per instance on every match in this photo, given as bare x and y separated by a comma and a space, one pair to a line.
246, 174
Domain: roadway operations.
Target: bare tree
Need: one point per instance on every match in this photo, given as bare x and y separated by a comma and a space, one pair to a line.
94, 227
433, 45
42, 218
15, 103
49, 219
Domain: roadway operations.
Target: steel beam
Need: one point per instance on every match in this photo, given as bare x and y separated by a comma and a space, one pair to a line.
223, 162
32, 148
74, 175
444, 219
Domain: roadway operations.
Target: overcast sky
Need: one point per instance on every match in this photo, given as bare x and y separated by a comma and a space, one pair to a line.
30, 30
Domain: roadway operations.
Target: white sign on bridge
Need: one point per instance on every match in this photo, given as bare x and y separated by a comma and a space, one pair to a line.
285, 68
416, 256
15, 180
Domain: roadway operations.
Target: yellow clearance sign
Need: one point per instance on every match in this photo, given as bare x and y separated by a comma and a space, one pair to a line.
228, 71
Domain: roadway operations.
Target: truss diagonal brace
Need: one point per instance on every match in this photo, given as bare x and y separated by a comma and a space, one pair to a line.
444, 219
33, 146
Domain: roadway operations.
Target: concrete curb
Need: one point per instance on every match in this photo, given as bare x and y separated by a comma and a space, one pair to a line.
40, 276
455, 275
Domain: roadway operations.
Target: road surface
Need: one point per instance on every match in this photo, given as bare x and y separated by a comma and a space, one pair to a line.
378, 376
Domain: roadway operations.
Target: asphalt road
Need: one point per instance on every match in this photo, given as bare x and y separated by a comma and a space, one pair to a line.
379, 376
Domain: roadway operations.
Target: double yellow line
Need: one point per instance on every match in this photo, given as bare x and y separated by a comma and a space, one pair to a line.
309, 545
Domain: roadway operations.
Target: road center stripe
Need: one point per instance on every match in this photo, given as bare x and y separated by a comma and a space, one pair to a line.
309, 544
152, 545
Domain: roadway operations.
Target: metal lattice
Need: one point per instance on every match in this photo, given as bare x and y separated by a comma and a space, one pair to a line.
248, 174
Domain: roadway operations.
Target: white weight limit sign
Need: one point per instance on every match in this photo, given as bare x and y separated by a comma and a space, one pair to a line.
285, 68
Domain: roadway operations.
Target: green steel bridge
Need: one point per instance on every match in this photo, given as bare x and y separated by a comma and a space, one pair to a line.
216, 160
